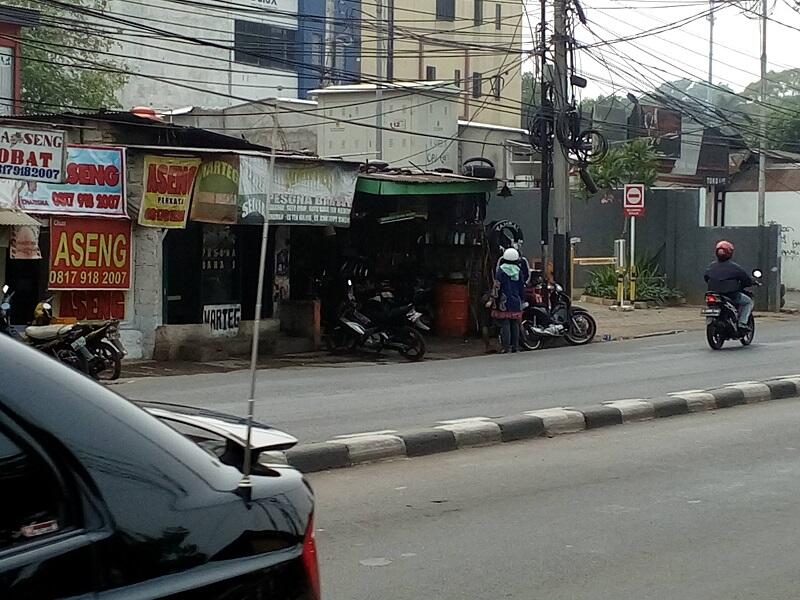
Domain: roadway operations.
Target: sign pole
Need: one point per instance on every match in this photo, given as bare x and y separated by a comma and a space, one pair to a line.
246, 485
633, 261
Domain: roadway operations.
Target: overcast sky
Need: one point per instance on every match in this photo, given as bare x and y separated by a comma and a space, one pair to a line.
683, 51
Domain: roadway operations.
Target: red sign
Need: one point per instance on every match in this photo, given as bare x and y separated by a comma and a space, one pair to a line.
90, 254
92, 305
633, 205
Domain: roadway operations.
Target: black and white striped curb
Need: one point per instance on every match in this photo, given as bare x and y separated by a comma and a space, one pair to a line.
354, 449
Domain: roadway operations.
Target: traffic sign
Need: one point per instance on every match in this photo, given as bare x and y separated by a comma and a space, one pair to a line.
633, 205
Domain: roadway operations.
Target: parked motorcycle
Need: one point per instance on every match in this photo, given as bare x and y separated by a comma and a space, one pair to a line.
550, 315
722, 319
392, 327
93, 349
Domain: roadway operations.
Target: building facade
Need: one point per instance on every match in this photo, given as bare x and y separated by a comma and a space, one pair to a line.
473, 44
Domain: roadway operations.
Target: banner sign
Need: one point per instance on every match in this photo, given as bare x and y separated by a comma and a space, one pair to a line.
90, 254
223, 319
25, 242
216, 189
32, 154
94, 185
302, 194
92, 305
168, 185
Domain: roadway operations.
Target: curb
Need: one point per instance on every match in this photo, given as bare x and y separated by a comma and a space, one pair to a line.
356, 449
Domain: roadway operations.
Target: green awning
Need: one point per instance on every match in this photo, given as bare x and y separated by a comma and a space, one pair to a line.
423, 186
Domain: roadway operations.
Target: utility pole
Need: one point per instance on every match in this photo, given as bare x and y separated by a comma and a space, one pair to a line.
379, 78
762, 159
562, 209
710, 48
545, 112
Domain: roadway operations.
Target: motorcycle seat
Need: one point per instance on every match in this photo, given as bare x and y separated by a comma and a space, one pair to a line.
47, 332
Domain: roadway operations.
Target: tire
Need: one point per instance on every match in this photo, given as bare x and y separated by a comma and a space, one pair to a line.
529, 339
111, 355
748, 339
415, 350
582, 328
714, 336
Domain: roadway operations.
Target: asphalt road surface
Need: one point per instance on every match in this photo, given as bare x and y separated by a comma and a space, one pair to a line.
317, 403
701, 507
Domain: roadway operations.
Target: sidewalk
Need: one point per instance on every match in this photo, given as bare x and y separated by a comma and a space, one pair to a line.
611, 326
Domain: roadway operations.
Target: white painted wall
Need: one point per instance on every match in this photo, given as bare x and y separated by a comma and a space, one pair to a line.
404, 112
741, 208
208, 74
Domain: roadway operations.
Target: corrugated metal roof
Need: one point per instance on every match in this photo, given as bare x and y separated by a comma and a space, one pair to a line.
15, 217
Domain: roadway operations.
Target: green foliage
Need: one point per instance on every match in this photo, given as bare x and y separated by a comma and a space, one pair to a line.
651, 286
632, 162
63, 66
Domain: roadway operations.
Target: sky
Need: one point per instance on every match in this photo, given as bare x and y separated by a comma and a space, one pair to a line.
683, 51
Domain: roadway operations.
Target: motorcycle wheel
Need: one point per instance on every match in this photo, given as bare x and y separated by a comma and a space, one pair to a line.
413, 345
748, 339
714, 336
529, 338
582, 328
112, 359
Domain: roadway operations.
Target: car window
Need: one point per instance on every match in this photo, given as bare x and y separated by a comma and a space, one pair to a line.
33, 503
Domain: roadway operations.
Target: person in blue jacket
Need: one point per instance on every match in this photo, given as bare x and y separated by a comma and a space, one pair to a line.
507, 299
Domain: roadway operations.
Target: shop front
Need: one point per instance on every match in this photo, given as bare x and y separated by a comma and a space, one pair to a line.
420, 235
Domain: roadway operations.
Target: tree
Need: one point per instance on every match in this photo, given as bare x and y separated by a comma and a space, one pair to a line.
632, 162
64, 61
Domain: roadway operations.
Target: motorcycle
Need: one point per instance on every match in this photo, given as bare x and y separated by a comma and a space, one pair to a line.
388, 327
722, 318
93, 349
550, 315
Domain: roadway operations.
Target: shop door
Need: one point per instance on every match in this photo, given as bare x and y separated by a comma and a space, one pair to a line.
250, 245
182, 264
28, 280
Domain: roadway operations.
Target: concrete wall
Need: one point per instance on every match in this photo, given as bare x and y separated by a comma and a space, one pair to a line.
410, 116
207, 74
195, 342
781, 207
670, 232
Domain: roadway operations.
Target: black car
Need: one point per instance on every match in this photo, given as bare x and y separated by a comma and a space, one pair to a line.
101, 498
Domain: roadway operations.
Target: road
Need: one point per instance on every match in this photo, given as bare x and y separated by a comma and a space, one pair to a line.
317, 403
701, 507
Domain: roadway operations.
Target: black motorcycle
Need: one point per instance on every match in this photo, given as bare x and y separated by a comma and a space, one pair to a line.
381, 326
722, 319
550, 315
91, 348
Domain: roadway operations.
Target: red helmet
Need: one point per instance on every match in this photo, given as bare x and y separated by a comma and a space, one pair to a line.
724, 250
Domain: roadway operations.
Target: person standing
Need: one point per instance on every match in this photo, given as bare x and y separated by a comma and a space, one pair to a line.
507, 299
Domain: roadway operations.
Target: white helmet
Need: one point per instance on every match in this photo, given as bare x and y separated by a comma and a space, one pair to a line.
511, 255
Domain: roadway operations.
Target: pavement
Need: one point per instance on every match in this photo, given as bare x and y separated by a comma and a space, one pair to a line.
700, 507
318, 403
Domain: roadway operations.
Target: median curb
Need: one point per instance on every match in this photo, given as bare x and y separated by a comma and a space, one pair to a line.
446, 436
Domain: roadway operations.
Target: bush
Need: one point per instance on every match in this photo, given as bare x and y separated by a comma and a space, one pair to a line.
650, 285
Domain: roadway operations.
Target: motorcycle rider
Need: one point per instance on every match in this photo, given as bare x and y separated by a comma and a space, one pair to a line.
726, 277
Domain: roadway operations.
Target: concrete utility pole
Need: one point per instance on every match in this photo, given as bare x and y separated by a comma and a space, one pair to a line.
762, 159
544, 139
379, 73
562, 209
710, 47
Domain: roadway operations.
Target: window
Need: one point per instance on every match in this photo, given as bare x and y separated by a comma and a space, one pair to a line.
478, 12
457, 78
498, 16
430, 73
477, 85
446, 10
33, 500
264, 45
317, 50
497, 86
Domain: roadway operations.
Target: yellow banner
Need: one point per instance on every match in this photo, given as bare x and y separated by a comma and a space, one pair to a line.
168, 185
